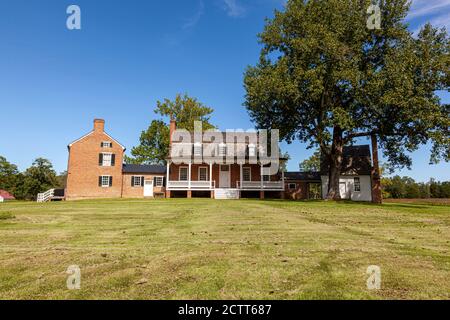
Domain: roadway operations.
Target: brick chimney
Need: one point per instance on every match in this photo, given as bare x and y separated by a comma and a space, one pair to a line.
377, 196
172, 128
99, 125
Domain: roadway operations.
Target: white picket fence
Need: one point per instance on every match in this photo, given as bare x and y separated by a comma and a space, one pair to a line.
46, 196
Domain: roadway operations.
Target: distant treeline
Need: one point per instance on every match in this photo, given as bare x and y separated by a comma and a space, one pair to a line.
406, 188
38, 178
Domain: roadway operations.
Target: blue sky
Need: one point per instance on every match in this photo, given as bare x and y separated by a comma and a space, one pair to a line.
128, 55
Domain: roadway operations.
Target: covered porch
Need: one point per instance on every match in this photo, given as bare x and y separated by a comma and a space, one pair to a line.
211, 177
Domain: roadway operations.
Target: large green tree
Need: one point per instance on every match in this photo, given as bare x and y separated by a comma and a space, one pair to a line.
312, 164
8, 175
38, 178
326, 79
154, 145
154, 142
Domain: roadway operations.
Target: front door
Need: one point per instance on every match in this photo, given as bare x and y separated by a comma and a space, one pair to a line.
148, 188
344, 190
224, 179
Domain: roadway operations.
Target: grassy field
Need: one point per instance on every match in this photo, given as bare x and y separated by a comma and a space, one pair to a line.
206, 249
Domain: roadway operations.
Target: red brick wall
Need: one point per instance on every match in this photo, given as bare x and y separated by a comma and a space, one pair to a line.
300, 192
84, 170
129, 191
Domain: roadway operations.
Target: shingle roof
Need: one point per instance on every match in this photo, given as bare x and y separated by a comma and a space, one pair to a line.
143, 168
6, 195
305, 176
356, 160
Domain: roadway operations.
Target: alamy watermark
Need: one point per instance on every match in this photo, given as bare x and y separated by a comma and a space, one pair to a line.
374, 280
74, 279
229, 147
374, 19
73, 21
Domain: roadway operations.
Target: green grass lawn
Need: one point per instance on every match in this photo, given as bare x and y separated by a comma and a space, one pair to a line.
206, 249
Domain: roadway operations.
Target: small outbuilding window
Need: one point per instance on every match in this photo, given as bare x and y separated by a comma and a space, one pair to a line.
357, 184
137, 181
159, 181
292, 186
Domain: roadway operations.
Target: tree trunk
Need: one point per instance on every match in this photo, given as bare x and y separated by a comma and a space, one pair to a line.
335, 161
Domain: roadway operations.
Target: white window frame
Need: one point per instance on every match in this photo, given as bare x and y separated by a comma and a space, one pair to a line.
292, 184
103, 181
159, 181
106, 144
187, 173
249, 174
105, 162
134, 181
357, 182
206, 173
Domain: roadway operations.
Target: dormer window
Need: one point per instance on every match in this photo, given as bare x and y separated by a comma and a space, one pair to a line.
106, 144
222, 150
197, 149
251, 150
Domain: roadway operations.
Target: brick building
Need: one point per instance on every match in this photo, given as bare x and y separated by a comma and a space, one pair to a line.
96, 170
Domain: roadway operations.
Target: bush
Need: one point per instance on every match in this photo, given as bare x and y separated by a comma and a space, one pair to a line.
6, 215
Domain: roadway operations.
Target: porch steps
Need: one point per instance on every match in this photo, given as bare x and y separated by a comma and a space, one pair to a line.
226, 194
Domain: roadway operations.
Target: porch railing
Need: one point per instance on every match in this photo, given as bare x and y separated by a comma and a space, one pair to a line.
205, 185
257, 185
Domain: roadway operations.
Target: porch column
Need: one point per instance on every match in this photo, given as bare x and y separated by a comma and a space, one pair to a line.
262, 178
189, 175
210, 175
167, 180
168, 173
241, 175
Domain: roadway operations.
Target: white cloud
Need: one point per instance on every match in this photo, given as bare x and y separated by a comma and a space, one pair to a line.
233, 8
433, 11
420, 8
192, 21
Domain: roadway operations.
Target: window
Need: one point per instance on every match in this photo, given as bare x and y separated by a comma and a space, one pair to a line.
159, 181
357, 184
106, 159
266, 178
197, 149
183, 174
203, 174
251, 150
105, 181
106, 144
292, 186
137, 181
247, 174
222, 150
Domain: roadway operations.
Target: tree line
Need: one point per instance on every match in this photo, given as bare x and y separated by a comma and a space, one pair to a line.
406, 188
38, 178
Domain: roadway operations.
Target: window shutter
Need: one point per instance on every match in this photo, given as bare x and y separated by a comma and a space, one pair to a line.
100, 159
100, 181
164, 181
110, 181
113, 160
154, 181
142, 181
101, 144
132, 181
110, 144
